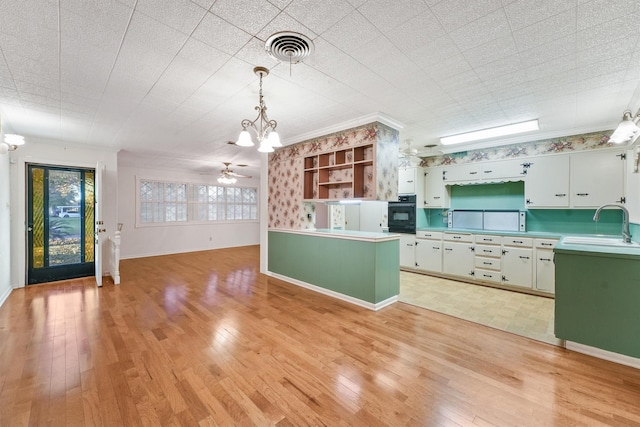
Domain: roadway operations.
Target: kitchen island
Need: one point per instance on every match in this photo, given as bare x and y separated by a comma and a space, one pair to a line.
355, 266
598, 300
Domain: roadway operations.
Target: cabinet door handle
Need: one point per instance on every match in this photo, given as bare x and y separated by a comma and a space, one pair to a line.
448, 249
436, 197
488, 171
472, 173
524, 257
561, 195
409, 244
545, 259
436, 247
546, 244
410, 181
582, 194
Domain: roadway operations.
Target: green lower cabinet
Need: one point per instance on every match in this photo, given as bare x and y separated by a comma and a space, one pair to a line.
597, 301
365, 270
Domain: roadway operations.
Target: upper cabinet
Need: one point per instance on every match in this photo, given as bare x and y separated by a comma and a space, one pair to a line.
435, 195
597, 178
341, 174
547, 182
512, 169
407, 180
468, 172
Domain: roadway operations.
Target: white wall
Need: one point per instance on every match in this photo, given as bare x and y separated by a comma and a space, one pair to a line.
48, 152
5, 229
160, 240
633, 188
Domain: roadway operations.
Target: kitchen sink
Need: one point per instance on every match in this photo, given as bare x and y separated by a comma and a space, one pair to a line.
599, 241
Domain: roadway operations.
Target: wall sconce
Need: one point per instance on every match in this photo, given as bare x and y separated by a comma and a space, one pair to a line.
11, 143
627, 129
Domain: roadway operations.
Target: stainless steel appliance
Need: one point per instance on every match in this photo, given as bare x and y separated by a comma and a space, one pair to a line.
402, 214
487, 220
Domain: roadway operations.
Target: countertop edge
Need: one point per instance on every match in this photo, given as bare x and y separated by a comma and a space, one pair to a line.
363, 236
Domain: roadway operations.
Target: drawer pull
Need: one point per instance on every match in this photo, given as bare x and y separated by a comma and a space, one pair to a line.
582, 194
545, 259
472, 173
488, 171
524, 257
488, 240
487, 263
546, 244
487, 275
487, 250
561, 195
448, 249
436, 197
457, 237
436, 247
518, 241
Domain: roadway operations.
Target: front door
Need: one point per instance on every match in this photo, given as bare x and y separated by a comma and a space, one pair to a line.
60, 216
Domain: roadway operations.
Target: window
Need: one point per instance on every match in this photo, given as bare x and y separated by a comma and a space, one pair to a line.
167, 202
163, 202
216, 203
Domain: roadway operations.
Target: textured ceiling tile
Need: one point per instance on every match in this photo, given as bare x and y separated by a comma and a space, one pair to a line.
319, 16
249, 15
482, 30
495, 50
202, 3
33, 89
598, 12
351, 32
600, 80
284, 22
457, 13
417, 32
601, 52
626, 28
454, 65
218, 33
546, 69
145, 33
563, 47
280, 4
255, 53
387, 15
438, 50
182, 15
523, 13
38, 15
547, 30
498, 83
101, 13
507, 65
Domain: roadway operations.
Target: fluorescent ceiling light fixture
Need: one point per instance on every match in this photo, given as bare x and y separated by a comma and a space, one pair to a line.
513, 129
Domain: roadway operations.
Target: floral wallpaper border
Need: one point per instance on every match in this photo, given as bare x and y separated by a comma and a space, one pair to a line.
581, 142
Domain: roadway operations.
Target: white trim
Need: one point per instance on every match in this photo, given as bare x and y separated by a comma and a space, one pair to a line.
349, 124
622, 359
337, 295
361, 236
4, 297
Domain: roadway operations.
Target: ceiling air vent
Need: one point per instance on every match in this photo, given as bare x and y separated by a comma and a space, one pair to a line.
287, 46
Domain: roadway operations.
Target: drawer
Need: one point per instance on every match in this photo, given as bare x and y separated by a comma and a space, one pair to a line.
487, 239
487, 275
431, 235
517, 241
488, 263
458, 237
544, 243
488, 250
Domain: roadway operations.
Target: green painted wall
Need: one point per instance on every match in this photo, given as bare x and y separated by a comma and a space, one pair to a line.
500, 196
368, 271
597, 301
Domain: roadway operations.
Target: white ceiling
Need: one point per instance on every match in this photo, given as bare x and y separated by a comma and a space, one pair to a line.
168, 81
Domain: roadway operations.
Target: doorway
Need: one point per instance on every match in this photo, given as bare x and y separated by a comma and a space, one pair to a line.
60, 223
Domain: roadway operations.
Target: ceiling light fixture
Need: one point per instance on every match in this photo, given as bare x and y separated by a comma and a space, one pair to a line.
264, 128
11, 143
627, 129
512, 129
227, 180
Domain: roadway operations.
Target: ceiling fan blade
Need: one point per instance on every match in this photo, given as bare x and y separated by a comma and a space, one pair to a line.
238, 175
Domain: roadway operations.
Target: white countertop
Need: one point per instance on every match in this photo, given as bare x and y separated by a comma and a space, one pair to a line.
367, 236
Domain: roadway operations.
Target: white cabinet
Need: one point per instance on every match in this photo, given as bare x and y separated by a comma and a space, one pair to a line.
458, 255
545, 266
407, 178
517, 265
461, 173
547, 182
429, 251
597, 178
504, 169
488, 265
407, 250
435, 194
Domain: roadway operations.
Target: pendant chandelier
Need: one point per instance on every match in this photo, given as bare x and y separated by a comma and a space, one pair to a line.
264, 128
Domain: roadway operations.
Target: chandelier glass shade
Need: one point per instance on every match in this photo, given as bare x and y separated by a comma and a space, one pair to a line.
11, 142
264, 128
227, 180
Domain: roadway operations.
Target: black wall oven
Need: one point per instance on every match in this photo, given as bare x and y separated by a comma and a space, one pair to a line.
402, 214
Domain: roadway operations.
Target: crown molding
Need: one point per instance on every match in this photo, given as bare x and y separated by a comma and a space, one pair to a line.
349, 124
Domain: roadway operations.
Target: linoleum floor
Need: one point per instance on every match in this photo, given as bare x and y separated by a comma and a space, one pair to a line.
530, 316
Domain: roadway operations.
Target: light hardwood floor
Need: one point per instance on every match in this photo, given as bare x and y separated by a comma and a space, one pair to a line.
204, 339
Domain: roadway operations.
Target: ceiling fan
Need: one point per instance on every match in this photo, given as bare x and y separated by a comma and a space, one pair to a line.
227, 176
413, 155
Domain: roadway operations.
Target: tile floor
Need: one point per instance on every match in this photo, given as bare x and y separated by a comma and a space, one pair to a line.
527, 315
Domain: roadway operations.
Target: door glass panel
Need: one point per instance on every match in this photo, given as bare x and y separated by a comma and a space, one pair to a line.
38, 232
89, 215
64, 217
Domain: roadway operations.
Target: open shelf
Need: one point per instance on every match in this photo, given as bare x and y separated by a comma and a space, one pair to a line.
340, 174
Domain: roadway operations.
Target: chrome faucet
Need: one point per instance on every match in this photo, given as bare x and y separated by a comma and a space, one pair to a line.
626, 236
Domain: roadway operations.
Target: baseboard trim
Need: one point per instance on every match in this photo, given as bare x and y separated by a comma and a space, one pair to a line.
622, 359
4, 296
356, 301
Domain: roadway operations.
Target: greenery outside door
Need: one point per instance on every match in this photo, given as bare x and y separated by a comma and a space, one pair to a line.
60, 223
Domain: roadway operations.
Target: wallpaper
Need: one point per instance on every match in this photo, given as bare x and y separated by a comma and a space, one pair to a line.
286, 173
572, 143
